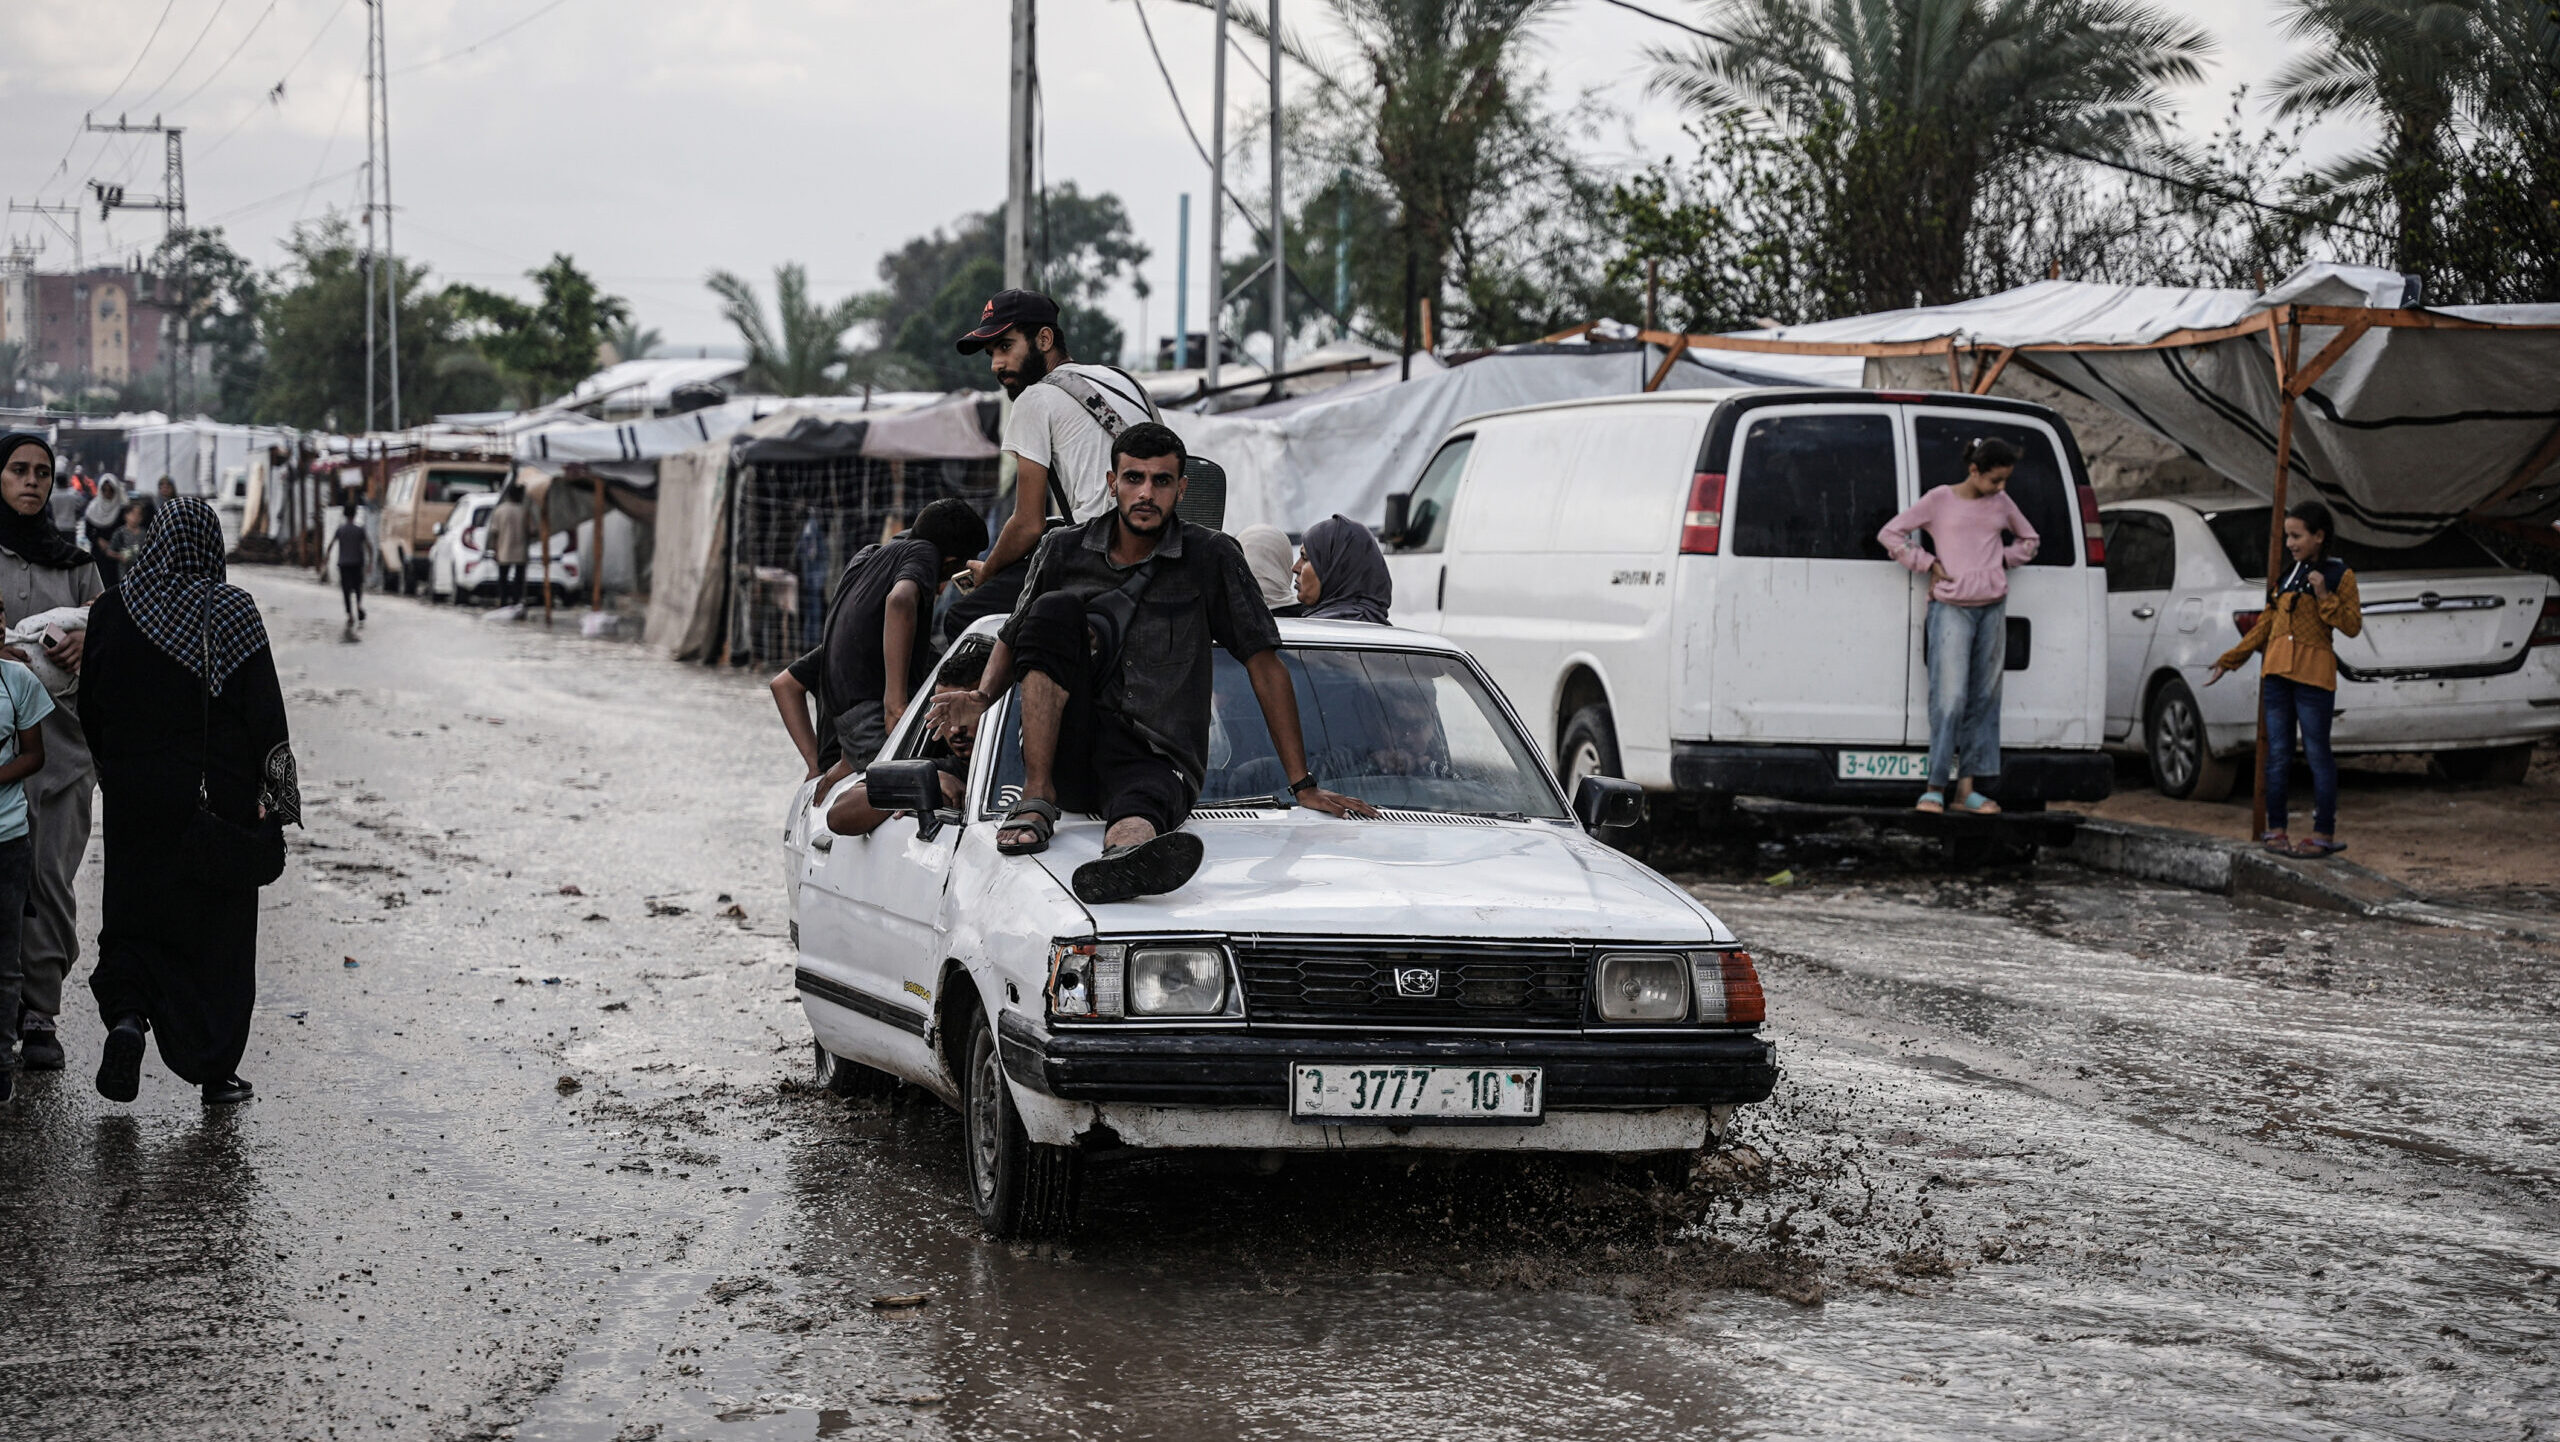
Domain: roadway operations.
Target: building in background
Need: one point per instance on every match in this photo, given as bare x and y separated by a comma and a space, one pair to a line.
75, 332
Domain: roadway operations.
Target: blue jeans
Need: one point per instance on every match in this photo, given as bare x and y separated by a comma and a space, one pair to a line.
1968, 651
2287, 704
17, 871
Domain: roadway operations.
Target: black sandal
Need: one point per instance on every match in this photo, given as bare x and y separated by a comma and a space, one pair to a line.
1149, 868
1031, 814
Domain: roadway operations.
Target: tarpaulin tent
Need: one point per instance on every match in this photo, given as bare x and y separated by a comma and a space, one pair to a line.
2404, 420
1342, 450
691, 536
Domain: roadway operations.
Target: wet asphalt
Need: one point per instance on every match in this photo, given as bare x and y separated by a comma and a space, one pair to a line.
533, 1156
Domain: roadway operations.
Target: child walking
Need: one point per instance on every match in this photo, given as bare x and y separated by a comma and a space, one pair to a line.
351, 544
21, 756
2298, 679
1980, 535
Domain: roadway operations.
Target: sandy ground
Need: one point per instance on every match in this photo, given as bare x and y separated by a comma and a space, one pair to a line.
534, 1156
2493, 845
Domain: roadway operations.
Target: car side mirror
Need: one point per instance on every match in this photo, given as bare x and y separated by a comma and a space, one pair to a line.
1607, 803
908, 786
1399, 515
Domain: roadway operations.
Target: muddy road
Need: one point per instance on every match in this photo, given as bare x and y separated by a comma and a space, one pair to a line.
533, 1157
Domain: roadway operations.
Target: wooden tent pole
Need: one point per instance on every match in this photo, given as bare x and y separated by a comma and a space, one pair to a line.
2284, 345
543, 540
595, 560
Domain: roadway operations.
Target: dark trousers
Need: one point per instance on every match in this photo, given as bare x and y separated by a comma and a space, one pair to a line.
351, 589
17, 873
993, 596
1103, 767
510, 583
2289, 704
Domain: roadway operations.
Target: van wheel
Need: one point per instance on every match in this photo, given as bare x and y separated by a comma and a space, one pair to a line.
850, 1078
1590, 747
2183, 768
2487, 765
1020, 1188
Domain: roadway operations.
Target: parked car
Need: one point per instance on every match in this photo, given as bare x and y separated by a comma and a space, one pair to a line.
460, 565
1687, 590
1473, 971
2460, 654
416, 505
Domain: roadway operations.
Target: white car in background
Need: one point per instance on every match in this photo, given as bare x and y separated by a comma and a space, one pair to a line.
2460, 654
1474, 971
460, 565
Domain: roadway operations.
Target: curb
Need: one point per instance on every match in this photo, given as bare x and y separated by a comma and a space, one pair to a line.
2232, 868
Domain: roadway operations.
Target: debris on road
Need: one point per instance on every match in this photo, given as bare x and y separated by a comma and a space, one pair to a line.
896, 1301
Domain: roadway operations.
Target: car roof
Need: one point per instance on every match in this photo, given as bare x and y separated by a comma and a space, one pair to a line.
2203, 503
1810, 394
1299, 632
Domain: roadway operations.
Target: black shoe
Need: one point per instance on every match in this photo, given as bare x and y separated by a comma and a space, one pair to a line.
40, 1049
120, 1068
226, 1092
1150, 868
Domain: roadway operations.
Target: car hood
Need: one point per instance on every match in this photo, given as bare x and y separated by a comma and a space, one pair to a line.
1303, 873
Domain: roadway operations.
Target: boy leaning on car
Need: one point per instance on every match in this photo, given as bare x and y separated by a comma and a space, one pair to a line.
1130, 743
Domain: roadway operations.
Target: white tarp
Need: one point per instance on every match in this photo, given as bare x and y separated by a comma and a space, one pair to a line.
1343, 450
194, 453
685, 581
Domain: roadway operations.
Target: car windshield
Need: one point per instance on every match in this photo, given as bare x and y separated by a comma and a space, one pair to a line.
2242, 532
1410, 730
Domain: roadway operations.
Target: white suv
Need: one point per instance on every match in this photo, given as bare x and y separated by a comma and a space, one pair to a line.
461, 565
1686, 590
2460, 654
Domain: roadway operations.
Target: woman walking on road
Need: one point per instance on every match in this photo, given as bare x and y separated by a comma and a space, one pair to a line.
99, 521
2298, 679
1979, 535
181, 705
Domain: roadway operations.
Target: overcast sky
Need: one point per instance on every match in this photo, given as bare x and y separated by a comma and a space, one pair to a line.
656, 140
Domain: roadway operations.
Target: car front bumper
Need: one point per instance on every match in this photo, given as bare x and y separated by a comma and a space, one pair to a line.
1660, 1091
1810, 774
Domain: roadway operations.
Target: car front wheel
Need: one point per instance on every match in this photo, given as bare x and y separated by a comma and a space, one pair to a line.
1020, 1188
850, 1078
2183, 766
1590, 747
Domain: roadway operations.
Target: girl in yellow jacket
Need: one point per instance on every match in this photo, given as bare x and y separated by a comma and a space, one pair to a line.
2298, 680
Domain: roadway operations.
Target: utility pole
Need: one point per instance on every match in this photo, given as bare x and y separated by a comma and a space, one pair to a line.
1279, 224
1017, 161
391, 248
38, 207
368, 216
172, 205
1217, 198
1182, 288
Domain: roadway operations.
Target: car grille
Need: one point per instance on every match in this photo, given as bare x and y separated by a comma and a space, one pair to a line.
1326, 980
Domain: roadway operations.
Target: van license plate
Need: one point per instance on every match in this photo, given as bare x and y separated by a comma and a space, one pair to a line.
1392, 1093
1884, 766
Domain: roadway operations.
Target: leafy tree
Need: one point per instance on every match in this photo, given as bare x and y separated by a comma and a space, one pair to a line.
544, 349
195, 269
312, 315
1725, 236
936, 284
802, 351
1909, 109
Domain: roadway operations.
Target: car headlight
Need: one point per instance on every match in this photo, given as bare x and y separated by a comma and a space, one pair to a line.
1177, 981
1084, 979
1644, 986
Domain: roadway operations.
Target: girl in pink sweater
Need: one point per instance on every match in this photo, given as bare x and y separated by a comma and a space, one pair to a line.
1979, 535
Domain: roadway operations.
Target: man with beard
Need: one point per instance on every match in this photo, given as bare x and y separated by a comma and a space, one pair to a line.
1125, 742
1065, 414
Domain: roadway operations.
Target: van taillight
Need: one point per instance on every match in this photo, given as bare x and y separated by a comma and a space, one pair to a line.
1702, 528
471, 538
2093, 532
2546, 632
2247, 621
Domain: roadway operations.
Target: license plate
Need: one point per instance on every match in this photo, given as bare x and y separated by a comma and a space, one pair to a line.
1391, 1093
1884, 766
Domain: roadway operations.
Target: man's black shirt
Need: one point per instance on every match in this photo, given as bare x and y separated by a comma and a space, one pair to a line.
857, 663
1201, 591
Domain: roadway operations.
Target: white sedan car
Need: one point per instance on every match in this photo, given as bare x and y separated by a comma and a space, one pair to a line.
459, 564
2460, 654
1473, 971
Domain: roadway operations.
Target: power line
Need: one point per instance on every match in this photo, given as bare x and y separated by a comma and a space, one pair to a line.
285, 194
245, 37
218, 7
1658, 16
275, 93
64, 164
484, 40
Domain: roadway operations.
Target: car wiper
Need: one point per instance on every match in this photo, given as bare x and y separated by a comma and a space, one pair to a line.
1266, 801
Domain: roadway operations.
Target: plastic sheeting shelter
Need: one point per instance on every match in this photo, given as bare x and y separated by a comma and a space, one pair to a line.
2404, 420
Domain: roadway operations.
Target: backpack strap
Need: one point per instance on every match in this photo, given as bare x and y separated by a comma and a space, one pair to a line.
1088, 392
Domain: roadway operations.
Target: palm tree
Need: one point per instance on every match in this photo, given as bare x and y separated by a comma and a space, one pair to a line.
630, 341
805, 354
1908, 108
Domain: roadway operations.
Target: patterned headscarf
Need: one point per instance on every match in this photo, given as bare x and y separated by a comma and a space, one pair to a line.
174, 589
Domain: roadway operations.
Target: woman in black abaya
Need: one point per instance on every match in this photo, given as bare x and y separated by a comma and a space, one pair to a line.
178, 694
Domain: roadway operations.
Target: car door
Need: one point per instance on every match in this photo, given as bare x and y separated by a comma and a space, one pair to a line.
1418, 563
1813, 623
2142, 568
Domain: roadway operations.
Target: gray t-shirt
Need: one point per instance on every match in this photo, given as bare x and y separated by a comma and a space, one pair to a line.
27, 588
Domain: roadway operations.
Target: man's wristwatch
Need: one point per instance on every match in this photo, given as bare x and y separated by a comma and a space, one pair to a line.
1303, 784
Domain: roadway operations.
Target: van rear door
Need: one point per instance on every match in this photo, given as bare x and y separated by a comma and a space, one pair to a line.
2055, 692
1811, 622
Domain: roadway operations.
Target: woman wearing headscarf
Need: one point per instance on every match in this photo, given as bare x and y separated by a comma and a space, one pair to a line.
105, 513
1342, 575
182, 708
40, 570
1266, 553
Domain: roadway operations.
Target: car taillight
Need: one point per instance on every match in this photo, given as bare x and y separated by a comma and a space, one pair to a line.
1728, 988
2546, 632
1702, 527
2093, 532
2246, 621
471, 538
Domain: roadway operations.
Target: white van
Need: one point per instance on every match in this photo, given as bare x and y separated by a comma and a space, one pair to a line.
1686, 590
